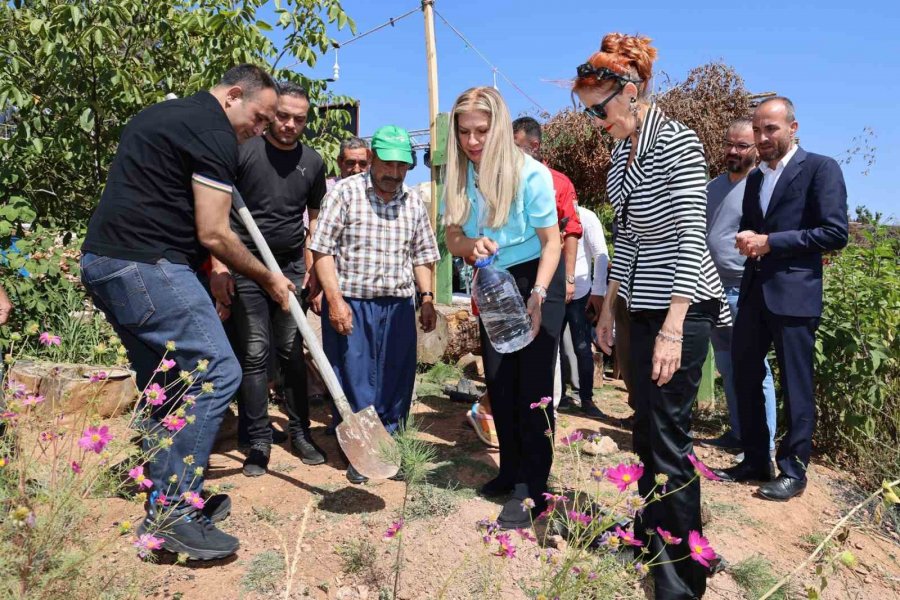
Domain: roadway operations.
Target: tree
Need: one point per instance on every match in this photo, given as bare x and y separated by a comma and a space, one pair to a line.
75, 71
708, 100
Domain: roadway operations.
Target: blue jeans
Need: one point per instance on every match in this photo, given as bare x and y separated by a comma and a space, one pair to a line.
578, 360
148, 305
721, 342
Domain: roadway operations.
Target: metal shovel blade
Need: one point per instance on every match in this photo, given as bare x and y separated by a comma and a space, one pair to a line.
368, 446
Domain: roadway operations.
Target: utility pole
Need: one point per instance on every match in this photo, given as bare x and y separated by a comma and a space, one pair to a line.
431, 59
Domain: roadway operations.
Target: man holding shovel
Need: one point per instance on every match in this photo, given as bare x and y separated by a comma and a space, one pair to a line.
164, 209
372, 246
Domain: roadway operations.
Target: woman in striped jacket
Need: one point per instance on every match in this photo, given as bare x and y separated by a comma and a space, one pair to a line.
663, 271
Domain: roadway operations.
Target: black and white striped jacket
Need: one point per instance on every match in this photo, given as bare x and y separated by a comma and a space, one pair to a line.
660, 249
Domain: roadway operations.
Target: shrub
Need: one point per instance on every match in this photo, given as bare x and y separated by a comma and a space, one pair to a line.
54, 469
858, 357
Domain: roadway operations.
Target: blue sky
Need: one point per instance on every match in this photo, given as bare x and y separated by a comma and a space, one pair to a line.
838, 61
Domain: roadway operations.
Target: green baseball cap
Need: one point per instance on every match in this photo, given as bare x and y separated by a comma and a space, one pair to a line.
391, 143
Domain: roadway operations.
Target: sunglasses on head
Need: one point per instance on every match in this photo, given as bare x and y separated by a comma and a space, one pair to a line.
603, 74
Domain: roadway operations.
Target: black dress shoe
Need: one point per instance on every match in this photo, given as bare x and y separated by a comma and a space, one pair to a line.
782, 489
354, 476
495, 487
744, 471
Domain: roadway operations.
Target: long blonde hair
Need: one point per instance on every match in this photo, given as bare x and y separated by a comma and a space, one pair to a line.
501, 160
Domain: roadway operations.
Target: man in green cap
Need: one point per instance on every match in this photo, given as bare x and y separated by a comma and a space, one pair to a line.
372, 247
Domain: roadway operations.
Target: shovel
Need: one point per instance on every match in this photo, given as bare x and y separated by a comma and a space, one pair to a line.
368, 446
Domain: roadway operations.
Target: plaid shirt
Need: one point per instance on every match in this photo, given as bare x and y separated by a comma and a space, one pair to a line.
375, 244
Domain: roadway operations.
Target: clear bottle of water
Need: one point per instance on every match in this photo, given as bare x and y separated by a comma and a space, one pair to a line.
501, 307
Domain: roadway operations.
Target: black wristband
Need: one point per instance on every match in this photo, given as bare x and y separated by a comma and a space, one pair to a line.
429, 294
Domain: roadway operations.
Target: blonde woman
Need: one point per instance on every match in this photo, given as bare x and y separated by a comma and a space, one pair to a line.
498, 200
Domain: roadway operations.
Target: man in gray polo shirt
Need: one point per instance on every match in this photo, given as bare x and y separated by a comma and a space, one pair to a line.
725, 198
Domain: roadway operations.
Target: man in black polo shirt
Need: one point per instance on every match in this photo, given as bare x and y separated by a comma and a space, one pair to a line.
279, 178
165, 208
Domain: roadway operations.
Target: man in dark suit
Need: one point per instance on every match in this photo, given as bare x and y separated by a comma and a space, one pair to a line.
795, 208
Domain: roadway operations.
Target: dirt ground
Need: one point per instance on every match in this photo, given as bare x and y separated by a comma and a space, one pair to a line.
342, 554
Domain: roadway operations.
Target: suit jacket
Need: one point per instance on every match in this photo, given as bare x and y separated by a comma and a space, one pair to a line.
807, 216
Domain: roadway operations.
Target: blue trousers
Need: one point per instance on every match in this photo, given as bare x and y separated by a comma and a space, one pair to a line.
148, 305
376, 363
578, 359
721, 342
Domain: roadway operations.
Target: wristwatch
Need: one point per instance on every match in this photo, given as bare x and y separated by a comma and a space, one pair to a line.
540, 291
570, 278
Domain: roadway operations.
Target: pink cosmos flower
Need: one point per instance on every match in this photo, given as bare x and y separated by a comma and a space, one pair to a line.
99, 376
166, 365
48, 436
703, 469
194, 499
147, 543
76, 467
543, 404
393, 529
137, 473
48, 339
31, 400
627, 537
579, 517
667, 537
507, 549
95, 438
162, 500
701, 551
15, 388
155, 395
624, 475
526, 535
527, 504
575, 436
173, 422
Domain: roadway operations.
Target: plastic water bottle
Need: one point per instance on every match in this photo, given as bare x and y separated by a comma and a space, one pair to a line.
501, 307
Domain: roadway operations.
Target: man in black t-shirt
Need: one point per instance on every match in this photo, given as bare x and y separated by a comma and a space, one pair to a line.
279, 178
164, 209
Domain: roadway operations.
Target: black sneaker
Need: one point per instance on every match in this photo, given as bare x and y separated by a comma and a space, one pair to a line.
309, 453
590, 410
192, 534
565, 403
257, 460
217, 507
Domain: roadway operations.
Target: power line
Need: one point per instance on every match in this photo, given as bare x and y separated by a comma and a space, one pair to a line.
493, 67
390, 22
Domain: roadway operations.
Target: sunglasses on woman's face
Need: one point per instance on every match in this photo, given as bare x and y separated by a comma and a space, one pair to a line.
599, 110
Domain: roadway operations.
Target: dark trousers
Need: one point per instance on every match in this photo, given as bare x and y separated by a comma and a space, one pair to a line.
662, 422
260, 328
516, 380
581, 373
376, 363
756, 329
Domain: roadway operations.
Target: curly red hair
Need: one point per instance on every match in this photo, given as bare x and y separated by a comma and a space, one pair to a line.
628, 55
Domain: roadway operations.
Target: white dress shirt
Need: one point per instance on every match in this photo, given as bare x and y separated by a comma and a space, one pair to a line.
591, 249
771, 177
